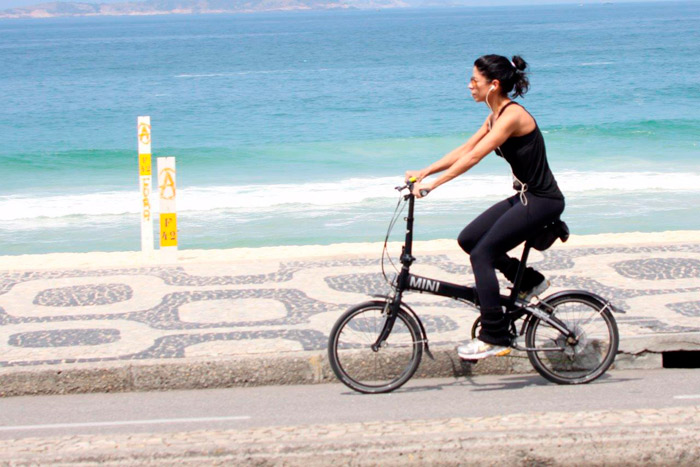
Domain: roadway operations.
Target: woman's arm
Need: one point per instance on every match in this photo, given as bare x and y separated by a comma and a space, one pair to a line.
501, 131
454, 155
451, 157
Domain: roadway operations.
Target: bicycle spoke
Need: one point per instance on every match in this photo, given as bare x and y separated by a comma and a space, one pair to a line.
582, 358
371, 370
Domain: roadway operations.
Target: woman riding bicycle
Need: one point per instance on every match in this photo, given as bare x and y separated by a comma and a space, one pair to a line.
513, 134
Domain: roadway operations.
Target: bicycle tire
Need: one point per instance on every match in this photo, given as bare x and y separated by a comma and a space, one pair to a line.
360, 368
590, 357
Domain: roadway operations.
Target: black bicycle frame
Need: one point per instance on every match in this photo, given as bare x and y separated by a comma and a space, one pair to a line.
411, 282
407, 281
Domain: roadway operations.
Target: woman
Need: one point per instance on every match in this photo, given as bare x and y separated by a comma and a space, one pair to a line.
513, 133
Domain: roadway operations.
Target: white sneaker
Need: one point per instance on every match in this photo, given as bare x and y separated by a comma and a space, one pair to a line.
476, 350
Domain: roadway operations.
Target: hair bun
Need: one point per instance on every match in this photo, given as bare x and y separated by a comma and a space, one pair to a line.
518, 62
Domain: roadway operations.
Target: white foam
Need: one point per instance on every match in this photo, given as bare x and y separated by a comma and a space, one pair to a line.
606, 182
349, 193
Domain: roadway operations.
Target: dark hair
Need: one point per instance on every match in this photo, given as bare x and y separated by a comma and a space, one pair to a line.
510, 73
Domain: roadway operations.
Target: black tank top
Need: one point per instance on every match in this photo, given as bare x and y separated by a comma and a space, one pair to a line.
528, 159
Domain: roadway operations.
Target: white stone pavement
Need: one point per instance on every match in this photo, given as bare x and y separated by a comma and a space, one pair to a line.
285, 303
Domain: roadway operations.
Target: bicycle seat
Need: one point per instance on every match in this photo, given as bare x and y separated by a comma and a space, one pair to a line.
548, 234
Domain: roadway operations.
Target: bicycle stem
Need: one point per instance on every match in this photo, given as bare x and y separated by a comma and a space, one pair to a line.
402, 280
407, 251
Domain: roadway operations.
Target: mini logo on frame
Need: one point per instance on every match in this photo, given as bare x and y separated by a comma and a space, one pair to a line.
144, 133
424, 284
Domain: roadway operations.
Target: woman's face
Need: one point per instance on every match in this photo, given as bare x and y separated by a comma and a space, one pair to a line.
479, 85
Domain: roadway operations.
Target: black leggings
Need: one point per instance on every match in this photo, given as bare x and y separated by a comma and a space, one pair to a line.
488, 238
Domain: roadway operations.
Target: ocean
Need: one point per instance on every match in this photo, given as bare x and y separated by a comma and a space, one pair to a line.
293, 128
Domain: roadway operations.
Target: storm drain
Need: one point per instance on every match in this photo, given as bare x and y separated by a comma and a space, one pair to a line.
681, 359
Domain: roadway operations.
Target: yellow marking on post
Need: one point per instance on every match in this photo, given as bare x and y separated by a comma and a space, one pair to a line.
145, 195
144, 133
168, 229
167, 187
145, 164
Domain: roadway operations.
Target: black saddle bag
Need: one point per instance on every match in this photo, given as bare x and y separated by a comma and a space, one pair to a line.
549, 234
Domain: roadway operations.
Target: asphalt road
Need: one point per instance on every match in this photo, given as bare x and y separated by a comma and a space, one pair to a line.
427, 399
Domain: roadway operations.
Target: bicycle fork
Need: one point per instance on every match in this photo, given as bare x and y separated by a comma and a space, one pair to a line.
391, 310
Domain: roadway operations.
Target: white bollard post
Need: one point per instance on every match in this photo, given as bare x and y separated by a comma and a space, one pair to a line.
145, 182
168, 217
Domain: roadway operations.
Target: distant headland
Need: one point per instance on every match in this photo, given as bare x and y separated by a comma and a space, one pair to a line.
166, 7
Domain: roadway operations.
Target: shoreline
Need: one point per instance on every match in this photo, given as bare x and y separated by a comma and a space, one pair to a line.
98, 259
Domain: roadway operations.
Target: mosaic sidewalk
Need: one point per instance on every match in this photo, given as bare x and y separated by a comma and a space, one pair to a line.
223, 310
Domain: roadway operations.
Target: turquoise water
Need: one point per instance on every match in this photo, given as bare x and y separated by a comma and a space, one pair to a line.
293, 128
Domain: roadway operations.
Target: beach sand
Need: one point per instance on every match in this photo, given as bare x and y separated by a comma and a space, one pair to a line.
137, 258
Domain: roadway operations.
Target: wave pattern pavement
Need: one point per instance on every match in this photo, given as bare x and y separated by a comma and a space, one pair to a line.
284, 308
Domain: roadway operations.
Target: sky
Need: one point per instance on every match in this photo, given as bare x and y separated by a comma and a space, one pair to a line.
5, 4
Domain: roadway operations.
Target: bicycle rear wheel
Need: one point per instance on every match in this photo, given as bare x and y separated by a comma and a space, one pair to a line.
566, 362
358, 366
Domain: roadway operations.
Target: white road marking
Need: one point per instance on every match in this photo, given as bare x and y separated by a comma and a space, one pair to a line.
155, 421
688, 396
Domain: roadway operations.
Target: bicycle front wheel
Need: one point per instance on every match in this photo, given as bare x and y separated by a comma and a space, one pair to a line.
358, 366
578, 361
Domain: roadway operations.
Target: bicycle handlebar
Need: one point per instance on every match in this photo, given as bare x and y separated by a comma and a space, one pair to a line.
409, 184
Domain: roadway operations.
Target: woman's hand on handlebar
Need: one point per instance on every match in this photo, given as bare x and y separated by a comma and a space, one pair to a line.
418, 175
421, 190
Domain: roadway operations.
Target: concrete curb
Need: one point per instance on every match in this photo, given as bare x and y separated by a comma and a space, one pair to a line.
642, 352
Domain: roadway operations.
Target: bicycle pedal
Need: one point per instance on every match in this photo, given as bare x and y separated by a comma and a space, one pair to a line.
503, 353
